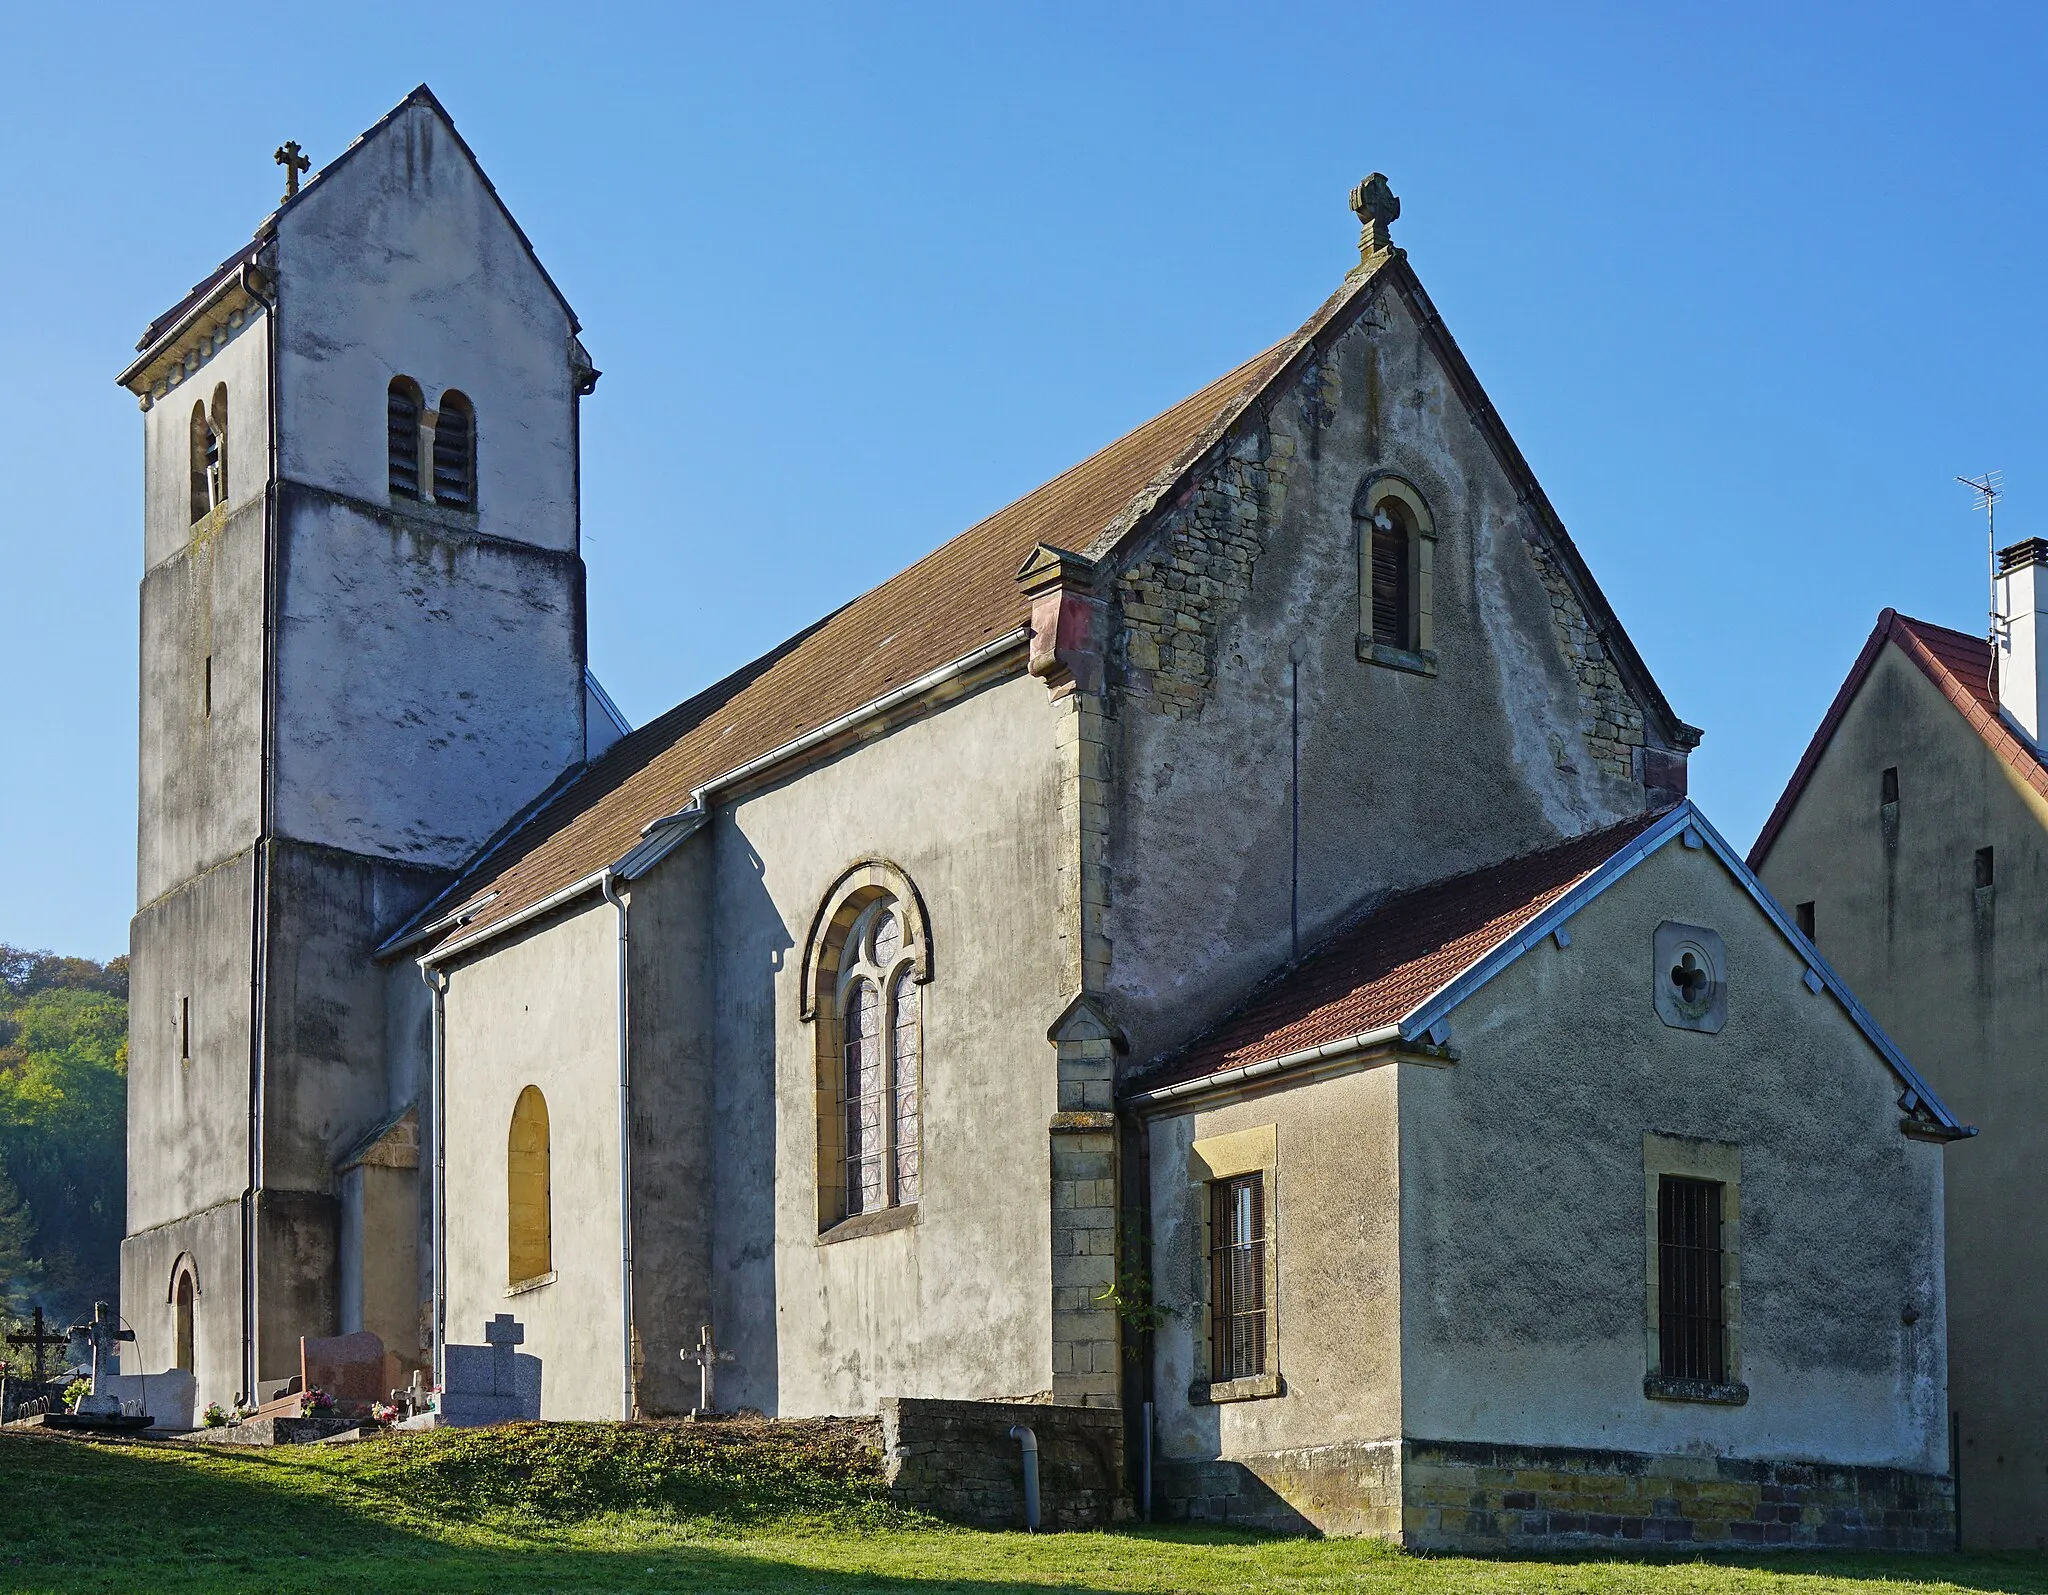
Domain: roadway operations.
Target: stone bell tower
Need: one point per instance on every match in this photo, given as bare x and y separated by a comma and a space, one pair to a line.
362, 652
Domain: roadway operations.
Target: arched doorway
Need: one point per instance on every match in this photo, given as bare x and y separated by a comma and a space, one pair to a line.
184, 1292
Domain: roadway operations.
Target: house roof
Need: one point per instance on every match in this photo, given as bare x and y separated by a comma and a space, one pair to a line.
1962, 669
169, 321
960, 598
1397, 971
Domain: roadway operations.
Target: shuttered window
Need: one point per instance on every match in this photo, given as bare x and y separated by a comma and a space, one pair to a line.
1692, 1326
1391, 596
1237, 1277
402, 437
455, 453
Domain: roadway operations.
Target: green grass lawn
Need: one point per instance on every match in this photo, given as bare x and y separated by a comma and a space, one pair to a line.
597, 1507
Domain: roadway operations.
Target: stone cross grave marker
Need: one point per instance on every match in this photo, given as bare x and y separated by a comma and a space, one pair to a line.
104, 1334
706, 1355
39, 1341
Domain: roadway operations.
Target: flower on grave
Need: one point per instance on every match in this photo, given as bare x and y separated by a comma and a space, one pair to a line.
76, 1392
315, 1403
385, 1412
216, 1416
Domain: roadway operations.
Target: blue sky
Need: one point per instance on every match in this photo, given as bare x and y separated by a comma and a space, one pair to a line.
1749, 284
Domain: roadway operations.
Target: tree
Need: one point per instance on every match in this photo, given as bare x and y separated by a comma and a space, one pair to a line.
20, 1274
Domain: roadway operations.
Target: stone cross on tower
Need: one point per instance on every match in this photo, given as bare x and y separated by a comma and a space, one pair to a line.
706, 1355
287, 155
1376, 207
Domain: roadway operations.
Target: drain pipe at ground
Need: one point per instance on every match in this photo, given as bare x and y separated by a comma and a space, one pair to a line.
1022, 1434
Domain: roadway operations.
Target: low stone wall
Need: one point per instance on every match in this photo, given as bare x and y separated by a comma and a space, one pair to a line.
1464, 1496
956, 1460
1337, 1489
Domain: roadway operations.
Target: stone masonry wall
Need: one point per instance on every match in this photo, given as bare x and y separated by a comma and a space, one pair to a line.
1471, 1497
1336, 1489
956, 1460
1613, 724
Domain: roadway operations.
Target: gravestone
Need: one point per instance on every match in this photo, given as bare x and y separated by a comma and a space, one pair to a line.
168, 1398
492, 1383
351, 1368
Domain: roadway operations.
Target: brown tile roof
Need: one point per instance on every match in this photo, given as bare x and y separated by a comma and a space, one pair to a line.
1384, 965
1960, 665
958, 598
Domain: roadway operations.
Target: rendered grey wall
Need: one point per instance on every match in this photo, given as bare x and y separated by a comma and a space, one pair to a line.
959, 1305
1336, 1242
243, 365
1403, 778
1522, 1197
212, 1242
540, 1009
1962, 984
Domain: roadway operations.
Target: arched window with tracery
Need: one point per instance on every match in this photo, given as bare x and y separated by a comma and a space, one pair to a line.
866, 966
529, 1220
455, 453
402, 406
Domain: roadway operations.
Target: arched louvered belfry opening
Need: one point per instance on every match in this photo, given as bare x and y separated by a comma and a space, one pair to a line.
203, 454
455, 453
529, 1227
402, 406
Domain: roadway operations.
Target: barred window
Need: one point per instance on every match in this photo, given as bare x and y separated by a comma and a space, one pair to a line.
1237, 1277
455, 453
402, 406
1691, 1311
880, 1043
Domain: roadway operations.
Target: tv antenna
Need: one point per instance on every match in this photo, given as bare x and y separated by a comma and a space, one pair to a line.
1989, 488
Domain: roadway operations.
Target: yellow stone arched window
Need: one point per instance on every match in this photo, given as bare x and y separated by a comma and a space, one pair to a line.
529, 1225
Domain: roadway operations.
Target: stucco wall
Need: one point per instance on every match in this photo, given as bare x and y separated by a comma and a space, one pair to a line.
958, 1305
1404, 778
1336, 1242
399, 261
541, 1010
1962, 985
212, 1241
1523, 1202
243, 366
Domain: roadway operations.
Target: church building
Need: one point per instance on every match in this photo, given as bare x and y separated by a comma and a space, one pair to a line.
1223, 939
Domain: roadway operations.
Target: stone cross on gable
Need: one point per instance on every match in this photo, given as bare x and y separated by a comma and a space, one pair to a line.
706, 1355
1373, 202
38, 1341
287, 155
105, 1334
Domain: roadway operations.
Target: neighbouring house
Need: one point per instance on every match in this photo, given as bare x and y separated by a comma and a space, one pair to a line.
1226, 932
1912, 845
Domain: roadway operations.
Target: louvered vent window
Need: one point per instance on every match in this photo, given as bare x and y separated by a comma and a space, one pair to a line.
1237, 1277
455, 453
402, 437
1392, 604
1692, 1326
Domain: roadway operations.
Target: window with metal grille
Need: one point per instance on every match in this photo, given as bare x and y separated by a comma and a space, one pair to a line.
1692, 1324
1237, 1277
455, 453
1391, 596
402, 436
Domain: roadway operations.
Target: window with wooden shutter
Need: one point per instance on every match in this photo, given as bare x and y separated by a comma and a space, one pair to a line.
455, 453
402, 437
1392, 588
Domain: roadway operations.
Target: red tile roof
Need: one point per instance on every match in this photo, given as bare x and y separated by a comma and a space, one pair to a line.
1387, 963
1959, 665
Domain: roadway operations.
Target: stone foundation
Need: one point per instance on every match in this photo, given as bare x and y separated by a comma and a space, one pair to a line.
1464, 1496
956, 1460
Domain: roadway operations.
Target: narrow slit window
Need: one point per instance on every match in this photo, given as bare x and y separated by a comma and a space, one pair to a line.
455, 453
402, 437
1237, 1277
206, 687
1803, 912
1888, 786
1984, 870
1692, 1325
1392, 588
185, 1029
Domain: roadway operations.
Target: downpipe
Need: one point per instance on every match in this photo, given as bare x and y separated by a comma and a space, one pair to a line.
437, 1197
1022, 1434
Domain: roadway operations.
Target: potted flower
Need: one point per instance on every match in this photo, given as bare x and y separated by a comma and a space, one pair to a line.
216, 1416
316, 1404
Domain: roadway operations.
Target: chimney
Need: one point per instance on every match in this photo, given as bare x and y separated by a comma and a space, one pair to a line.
2023, 645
